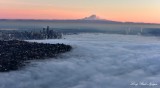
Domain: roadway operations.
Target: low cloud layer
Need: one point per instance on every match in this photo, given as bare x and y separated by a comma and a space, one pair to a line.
97, 61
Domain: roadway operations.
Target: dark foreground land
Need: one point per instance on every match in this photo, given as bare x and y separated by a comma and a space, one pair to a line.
15, 53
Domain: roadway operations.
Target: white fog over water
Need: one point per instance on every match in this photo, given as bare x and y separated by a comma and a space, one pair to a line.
96, 61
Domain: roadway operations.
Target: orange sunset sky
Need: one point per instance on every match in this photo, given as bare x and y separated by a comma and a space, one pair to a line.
118, 10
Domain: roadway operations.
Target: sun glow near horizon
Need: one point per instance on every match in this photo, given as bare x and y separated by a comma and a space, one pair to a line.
118, 10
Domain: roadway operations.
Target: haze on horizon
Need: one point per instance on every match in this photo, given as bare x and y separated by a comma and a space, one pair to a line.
118, 10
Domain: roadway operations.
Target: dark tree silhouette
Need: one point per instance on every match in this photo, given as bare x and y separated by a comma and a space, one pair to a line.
14, 53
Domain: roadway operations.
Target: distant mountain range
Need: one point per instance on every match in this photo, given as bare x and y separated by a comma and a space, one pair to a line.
98, 19
89, 19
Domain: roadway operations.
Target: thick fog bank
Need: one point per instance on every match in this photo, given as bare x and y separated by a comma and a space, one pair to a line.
96, 61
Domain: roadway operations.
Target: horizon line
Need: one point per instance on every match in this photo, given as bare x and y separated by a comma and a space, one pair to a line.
76, 20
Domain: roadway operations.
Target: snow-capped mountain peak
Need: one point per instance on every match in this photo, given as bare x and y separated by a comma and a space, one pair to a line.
92, 17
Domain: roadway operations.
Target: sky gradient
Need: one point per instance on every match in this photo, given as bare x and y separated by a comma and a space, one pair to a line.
118, 10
